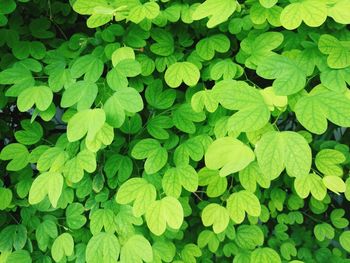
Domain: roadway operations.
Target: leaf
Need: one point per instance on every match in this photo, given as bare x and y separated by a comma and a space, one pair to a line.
19, 256
251, 175
334, 183
184, 117
265, 254
31, 133
5, 197
204, 98
48, 183
216, 215
157, 127
253, 113
249, 237
123, 53
337, 218
312, 12
289, 76
89, 66
159, 98
74, 217
229, 155
180, 72
41, 96
278, 150
344, 240
17, 153
323, 231
338, 11
310, 183
338, 51
216, 185
138, 191
137, 249
45, 232
102, 218
177, 177
225, 69
207, 47
164, 45
240, 202
313, 110
218, 11
122, 101
328, 162
162, 213
84, 122
81, 93
259, 48
103, 247
13, 236
62, 246
268, 3
151, 150
148, 10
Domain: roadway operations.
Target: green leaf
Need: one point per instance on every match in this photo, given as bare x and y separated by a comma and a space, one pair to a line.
159, 98
253, 113
323, 231
344, 240
184, 117
151, 150
250, 176
313, 183
207, 47
260, 47
338, 51
278, 150
225, 69
204, 98
5, 198
240, 202
103, 247
19, 256
138, 191
74, 217
162, 213
164, 45
31, 133
89, 66
265, 254
229, 155
313, 110
218, 11
289, 76
268, 3
216, 215
334, 183
216, 185
121, 54
48, 183
136, 249
102, 218
41, 96
81, 93
312, 12
337, 218
13, 236
122, 101
45, 232
181, 176
249, 237
84, 122
148, 10
328, 162
62, 246
338, 11
180, 72
157, 127
17, 153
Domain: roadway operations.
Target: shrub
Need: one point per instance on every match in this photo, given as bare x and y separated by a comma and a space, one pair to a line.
174, 131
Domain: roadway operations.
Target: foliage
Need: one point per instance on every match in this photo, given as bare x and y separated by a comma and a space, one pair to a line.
174, 131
